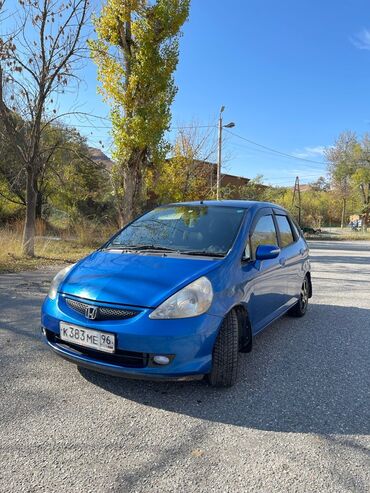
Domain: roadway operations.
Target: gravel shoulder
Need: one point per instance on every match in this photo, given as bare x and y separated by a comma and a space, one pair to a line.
298, 420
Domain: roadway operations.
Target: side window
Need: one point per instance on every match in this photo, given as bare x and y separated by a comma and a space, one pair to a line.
286, 233
247, 251
264, 233
297, 230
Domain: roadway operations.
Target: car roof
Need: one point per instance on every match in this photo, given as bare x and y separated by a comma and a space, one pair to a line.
241, 204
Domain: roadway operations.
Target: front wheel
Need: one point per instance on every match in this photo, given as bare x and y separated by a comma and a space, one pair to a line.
225, 353
300, 308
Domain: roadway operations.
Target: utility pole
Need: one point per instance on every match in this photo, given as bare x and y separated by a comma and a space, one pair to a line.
297, 191
219, 158
219, 154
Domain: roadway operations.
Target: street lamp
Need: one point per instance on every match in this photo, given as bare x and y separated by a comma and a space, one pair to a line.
220, 127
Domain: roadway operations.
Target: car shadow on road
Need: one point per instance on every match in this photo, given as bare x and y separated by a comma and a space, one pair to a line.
307, 375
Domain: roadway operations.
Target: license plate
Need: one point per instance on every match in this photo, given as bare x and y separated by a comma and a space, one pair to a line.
95, 339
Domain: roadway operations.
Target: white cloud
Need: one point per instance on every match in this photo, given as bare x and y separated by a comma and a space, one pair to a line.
310, 152
304, 179
286, 177
361, 40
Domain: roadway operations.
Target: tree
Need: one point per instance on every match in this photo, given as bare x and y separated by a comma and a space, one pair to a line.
12, 173
320, 185
136, 53
349, 165
75, 183
71, 180
255, 189
187, 174
342, 159
361, 178
37, 63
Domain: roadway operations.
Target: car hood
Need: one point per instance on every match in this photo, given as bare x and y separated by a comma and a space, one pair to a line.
143, 280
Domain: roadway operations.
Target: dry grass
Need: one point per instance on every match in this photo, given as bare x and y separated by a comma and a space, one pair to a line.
336, 234
48, 250
92, 234
53, 245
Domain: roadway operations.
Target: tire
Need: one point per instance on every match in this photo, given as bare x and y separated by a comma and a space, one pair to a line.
225, 353
300, 308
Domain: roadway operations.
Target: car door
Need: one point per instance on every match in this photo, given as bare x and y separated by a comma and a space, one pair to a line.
291, 254
265, 281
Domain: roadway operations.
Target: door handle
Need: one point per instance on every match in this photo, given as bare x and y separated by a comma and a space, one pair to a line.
301, 251
282, 261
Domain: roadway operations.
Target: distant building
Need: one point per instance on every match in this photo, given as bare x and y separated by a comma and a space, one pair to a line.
226, 179
305, 188
209, 169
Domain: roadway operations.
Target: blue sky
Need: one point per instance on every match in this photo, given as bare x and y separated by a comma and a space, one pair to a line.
291, 74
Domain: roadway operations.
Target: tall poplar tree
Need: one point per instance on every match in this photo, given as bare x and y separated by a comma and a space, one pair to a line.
136, 51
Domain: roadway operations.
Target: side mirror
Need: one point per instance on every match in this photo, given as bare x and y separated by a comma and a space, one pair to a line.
266, 252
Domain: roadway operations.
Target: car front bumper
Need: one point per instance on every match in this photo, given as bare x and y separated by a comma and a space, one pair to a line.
189, 342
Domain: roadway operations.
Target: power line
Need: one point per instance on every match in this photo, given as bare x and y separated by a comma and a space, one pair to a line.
87, 126
263, 148
267, 148
274, 155
274, 150
290, 177
109, 127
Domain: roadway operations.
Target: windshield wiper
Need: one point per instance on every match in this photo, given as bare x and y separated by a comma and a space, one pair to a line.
119, 247
203, 253
153, 247
138, 248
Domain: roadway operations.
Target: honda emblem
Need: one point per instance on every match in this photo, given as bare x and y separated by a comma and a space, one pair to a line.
91, 312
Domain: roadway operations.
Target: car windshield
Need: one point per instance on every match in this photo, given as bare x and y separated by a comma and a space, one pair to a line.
192, 229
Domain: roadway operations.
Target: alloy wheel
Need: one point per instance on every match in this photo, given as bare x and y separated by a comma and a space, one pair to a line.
304, 295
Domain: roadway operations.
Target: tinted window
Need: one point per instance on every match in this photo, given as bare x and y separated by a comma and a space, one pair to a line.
286, 234
210, 229
296, 229
264, 233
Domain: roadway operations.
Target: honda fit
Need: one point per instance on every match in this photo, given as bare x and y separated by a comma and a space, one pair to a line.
180, 291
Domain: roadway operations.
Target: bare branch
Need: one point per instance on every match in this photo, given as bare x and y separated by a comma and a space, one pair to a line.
38, 62
13, 201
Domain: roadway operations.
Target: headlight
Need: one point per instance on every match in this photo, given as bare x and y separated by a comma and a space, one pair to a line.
55, 283
192, 300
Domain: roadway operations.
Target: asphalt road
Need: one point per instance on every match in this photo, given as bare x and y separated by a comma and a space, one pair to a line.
297, 421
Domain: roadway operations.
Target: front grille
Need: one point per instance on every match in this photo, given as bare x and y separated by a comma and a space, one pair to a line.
102, 312
127, 359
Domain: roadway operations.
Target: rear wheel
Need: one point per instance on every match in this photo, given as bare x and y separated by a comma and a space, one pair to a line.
225, 353
300, 308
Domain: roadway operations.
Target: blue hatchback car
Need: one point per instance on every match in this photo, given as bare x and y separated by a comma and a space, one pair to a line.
180, 291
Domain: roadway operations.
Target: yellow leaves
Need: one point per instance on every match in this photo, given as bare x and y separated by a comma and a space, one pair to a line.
114, 14
136, 54
362, 175
111, 74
